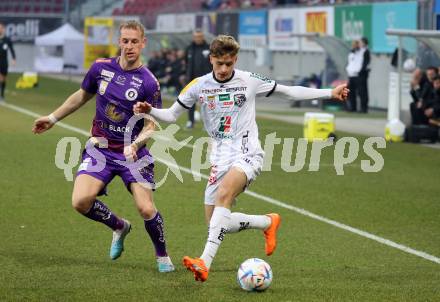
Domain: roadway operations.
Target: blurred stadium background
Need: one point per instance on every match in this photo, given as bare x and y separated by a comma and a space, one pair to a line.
49, 253
298, 41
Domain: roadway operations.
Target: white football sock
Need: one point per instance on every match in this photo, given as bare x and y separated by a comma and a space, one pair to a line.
240, 221
218, 226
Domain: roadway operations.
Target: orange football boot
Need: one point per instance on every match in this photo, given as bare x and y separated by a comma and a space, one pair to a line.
270, 234
197, 266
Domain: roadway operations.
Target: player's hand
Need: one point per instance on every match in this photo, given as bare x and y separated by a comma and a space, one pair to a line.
340, 92
13, 62
41, 125
130, 153
141, 107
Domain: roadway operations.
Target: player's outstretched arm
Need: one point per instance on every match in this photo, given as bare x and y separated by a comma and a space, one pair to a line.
304, 94
73, 102
168, 115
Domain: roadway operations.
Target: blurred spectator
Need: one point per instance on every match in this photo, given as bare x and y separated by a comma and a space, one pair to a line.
432, 110
330, 73
313, 81
353, 68
157, 64
211, 4
197, 64
423, 96
246, 4
230, 4
417, 82
428, 86
363, 74
6, 45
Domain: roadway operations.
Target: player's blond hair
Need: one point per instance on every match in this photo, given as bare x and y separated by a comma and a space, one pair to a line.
132, 24
224, 45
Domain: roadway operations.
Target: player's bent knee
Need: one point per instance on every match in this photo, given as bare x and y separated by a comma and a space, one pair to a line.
147, 211
83, 203
224, 197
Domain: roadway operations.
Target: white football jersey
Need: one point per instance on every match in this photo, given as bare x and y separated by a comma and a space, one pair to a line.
228, 112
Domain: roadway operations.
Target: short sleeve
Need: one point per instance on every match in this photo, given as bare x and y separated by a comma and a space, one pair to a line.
262, 84
90, 80
188, 96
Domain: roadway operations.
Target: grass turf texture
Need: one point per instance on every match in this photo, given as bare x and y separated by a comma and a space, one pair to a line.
50, 253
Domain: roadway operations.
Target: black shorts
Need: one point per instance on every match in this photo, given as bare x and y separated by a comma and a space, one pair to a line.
4, 69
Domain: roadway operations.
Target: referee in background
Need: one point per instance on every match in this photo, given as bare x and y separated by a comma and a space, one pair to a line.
5, 45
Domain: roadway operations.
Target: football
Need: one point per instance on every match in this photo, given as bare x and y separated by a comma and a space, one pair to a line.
254, 274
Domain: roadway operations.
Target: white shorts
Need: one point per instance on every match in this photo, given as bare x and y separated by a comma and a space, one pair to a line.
250, 165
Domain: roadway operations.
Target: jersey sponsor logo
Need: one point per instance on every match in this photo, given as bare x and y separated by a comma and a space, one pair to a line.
245, 143
221, 236
225, 124
225, 100
221, 135
211, 102
114, 128
134, 78
239, 100
102, 87
213, 175
188, 86
120, 129
244, 225
235, 89
121, 80
135, 84
224, 97
212, 91
261, 77
107, 74
131, 94
112, 113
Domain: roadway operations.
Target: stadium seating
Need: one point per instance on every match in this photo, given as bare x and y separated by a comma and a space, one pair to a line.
34, 6
153, 7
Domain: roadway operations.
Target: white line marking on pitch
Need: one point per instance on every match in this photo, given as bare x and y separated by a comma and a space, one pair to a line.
267, 199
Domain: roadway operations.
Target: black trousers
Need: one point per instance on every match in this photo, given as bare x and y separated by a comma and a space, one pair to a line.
418, 115
363, 92
353, 85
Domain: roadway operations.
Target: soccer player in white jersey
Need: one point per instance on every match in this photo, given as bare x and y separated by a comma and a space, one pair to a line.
227, 101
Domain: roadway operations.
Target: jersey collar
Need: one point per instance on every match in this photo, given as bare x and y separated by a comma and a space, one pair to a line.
225, 81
